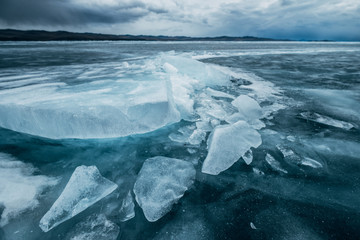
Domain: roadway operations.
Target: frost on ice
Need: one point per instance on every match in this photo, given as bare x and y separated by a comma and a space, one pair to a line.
227, 144
95, 227
85, 187
162, 182
19, 189
127, 211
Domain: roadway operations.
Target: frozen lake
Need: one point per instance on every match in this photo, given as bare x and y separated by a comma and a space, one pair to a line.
179, 140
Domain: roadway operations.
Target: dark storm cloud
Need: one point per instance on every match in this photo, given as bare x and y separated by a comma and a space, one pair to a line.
63, 12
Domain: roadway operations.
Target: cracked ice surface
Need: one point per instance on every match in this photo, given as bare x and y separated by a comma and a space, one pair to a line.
85, 187
161, 183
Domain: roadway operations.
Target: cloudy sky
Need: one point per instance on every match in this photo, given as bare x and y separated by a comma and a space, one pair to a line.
290, 19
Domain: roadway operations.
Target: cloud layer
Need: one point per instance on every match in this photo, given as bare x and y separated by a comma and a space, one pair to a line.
307, 19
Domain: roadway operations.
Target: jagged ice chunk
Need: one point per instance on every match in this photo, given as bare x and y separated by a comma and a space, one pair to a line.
227, 144
127, 211
162, 182
85, 187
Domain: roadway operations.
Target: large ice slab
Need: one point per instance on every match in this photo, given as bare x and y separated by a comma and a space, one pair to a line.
95, 227
227, 144
91, 110
19, 188
85, 187
318, 118
162, 182
155, 94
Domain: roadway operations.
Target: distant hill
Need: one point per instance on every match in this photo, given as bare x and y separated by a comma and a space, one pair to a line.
39, 35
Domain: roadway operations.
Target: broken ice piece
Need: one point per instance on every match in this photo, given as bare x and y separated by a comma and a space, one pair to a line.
315, 117
248, 108
289, 155
161, 183
248, 157
252, 226
274, 164
219, 94
311, 163
95, 227
85, 187
227, 143
127, 208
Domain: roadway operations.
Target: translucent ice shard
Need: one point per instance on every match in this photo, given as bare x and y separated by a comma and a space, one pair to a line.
85, 187
311, 163
95, 227
248, 157
289, 155
127, 208
19, 188
252, 225
315, 117
162, 182
274, 164
227, 144
248, 108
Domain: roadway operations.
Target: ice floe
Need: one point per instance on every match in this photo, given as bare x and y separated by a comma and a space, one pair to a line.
227, 143
85, 187
19, 187
162, 182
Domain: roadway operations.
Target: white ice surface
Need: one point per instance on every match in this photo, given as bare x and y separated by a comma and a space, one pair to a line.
19, 187
85, 187
227, 144
161, 183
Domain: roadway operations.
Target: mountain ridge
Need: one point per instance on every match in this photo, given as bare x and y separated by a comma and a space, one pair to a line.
42, 35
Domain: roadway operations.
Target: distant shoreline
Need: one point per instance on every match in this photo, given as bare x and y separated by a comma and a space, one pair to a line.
41, 35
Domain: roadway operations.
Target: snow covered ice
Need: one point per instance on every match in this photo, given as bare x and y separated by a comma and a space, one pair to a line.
85, 187
19, 188
161, 183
